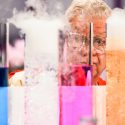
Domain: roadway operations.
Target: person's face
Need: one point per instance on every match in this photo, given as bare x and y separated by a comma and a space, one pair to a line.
99, 46
77, 47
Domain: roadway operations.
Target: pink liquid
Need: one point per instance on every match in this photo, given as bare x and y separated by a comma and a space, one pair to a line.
75, 103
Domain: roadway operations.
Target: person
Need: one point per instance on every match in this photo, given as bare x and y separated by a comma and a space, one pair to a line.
16, 78
15, 55
80, 14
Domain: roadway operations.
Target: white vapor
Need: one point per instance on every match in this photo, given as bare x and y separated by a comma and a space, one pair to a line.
116, 30
41, 62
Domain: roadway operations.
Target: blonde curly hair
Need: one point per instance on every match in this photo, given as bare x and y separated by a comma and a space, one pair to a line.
91, 8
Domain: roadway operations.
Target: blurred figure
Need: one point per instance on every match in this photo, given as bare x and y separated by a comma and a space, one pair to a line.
16, 56
80, 14
16, 63
15, 48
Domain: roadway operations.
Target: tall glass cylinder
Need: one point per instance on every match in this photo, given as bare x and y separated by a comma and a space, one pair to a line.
75, 57
115, 64
3, 55
74, 77
41, 63
3, 75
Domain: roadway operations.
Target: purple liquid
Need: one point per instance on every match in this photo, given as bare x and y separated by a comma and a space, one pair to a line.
3, 77
75, 103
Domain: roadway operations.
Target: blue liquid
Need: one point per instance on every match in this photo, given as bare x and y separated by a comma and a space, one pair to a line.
3, 106
3, 77
3, 96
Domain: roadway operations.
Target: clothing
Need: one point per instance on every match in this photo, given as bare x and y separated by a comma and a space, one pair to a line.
17, 79
75, 76
101, 81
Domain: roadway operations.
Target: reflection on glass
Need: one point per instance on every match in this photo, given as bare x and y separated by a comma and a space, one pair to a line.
3, 55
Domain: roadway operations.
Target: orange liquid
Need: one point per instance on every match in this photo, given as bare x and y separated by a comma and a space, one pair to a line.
115, 66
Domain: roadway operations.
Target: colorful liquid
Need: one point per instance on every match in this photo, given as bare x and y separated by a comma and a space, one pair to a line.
3, 77
75, 103
76, 75
3, 106
115, 66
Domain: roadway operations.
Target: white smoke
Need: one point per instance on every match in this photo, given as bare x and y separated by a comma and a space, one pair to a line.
116, 30
41, 62
41, 31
